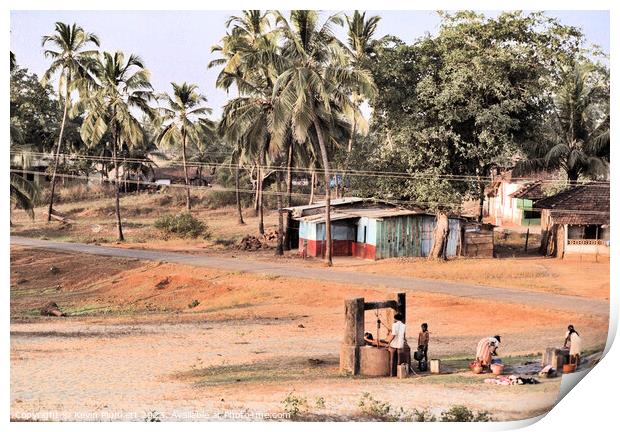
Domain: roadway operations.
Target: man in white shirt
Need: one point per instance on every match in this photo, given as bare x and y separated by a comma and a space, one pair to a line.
396, 343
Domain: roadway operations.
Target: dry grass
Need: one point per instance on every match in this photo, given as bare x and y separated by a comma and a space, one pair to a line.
588, 279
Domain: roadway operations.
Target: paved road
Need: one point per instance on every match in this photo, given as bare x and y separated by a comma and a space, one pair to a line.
546, 300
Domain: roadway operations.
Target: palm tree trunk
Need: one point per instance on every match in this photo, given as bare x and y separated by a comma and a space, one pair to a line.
328, 223
257, 192
312, 183
119, 224
261, 225
57, 156
280, 245
237, 194
289, 174
346, 160
188, 203
289, 192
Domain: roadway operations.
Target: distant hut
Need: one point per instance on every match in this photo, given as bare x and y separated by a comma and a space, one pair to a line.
576, 221
373, 229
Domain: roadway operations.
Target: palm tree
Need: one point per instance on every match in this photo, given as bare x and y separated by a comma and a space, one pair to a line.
577, 137
76, 63
249, 56
183, 117
314, 90
125, 89
359, 36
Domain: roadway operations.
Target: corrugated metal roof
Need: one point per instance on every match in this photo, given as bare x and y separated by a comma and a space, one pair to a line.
334, 202
371, 213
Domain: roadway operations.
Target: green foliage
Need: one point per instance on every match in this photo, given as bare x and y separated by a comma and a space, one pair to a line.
35, 115
294, 405
460, 413
182, 225
193, 304
458, 103
319, 402
383, 411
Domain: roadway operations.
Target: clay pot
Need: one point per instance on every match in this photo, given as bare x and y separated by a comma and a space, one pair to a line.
477, 369
569, 368
497, 368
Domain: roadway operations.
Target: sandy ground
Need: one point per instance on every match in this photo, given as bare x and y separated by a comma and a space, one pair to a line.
93, 222
174, 338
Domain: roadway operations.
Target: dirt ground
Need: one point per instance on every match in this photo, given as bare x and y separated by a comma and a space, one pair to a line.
195, 342
92, 221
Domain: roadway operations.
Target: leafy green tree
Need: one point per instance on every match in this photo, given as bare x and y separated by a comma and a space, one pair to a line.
452, 106
125, 90
184, 116
33, 110
74, 60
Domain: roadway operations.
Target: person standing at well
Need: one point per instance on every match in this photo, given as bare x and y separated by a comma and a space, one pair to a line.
573, 340
423, 339
396, 343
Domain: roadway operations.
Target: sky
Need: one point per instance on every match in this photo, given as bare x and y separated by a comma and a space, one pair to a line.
176, 45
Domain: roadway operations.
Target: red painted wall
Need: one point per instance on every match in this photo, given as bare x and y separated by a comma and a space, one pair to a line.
364, 250
314, 248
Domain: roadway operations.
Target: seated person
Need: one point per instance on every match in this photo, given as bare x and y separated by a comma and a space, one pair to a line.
370, 341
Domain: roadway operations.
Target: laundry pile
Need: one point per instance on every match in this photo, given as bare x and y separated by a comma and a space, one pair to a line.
511, 380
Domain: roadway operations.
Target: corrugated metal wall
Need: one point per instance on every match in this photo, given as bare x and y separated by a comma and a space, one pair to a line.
413, 236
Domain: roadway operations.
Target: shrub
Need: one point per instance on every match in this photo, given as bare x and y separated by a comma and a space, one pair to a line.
294, 405
383, 411
182, 225
320, 402
460, 413
193, 304
217, 199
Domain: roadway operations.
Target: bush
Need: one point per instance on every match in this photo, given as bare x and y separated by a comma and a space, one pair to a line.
383, 411
294, 405
218, 199
460, 413
182, 225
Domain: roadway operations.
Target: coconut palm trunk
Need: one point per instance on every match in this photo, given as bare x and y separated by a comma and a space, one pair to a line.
57, 156
289, 175
257, 192
119, 223
346, 161
312, 183
188, 203
289, 192
328, 223
261, 184
237, 193
280, 244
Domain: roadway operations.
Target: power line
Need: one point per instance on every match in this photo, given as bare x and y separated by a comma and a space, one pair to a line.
306, 170
282, 194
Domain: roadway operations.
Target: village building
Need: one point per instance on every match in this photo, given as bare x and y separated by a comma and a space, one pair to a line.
576, 221
510, 202
373, 229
